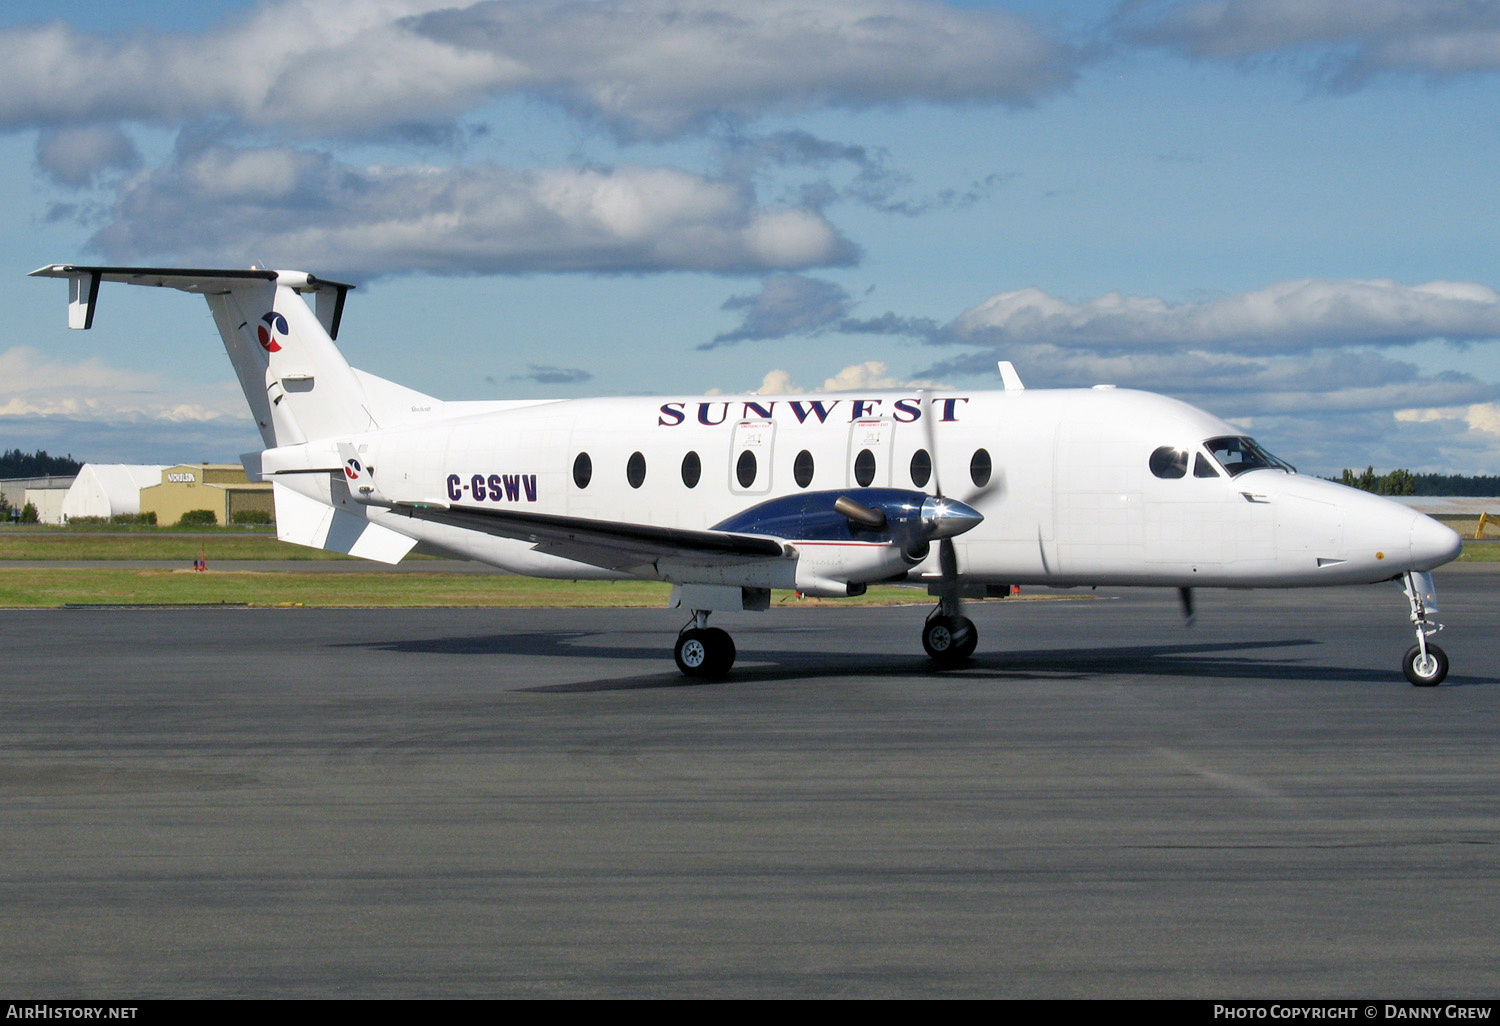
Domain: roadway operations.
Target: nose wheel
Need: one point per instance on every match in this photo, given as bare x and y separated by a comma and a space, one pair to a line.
1425, 669
704, 652
1425, 664
949, 640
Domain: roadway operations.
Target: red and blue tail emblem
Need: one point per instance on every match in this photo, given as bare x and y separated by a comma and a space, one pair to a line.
272, 326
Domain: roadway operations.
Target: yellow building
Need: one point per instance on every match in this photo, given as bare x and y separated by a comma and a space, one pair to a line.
221, 487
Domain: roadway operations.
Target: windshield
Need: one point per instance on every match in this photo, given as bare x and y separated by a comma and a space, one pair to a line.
1237, 454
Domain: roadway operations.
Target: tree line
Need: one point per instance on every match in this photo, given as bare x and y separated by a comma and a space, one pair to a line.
15, 463
1404, 482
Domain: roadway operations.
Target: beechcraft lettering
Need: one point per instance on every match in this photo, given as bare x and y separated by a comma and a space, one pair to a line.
959, 496
493, 488
711, 414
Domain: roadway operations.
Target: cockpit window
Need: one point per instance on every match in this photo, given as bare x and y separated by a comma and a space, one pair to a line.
1169, 462
1203, 466
1237, 454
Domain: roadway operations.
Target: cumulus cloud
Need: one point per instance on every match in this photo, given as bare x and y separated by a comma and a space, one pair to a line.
1305, 359
1342, 44
1289, 316
651, 68
36, 386
75, 156
872, 375
305, 208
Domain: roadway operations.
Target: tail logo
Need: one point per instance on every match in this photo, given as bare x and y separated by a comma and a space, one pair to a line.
273, 324
352, 469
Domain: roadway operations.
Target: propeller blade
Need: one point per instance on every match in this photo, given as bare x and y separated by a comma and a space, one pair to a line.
929, 434
1185, 596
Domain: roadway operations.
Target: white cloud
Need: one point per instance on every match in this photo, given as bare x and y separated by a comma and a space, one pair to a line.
74, 156
869, 376
1289, 316
305, 208
647, 67
94, 391
1480, 417
1344, 43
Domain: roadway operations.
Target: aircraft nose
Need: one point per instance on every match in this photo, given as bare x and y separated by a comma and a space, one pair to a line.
1432, 543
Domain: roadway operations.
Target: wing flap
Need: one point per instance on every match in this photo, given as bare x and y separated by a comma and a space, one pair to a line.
603, 543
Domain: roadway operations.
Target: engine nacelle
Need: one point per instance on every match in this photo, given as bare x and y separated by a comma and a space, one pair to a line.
849, 538
841, 569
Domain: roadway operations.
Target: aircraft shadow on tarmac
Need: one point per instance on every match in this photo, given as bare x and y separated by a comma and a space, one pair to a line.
1205, 661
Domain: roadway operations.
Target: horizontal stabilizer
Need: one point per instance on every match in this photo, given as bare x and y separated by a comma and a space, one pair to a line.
83, 286
304, 521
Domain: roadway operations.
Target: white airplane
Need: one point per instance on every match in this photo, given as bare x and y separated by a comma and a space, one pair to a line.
728, 497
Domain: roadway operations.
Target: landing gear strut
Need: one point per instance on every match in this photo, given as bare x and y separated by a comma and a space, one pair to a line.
1425, 664
948, 638
702, 651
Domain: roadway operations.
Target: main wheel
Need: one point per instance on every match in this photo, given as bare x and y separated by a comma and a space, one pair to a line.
1425, 672
949, 640
704, 653
721, 650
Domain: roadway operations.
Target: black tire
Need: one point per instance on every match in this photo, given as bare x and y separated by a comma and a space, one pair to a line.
949, 640
1429, 675
704, 654
721, 647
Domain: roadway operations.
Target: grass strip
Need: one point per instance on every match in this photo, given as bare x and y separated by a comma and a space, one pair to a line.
54, 588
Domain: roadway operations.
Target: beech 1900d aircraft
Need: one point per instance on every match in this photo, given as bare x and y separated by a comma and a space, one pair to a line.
728, 497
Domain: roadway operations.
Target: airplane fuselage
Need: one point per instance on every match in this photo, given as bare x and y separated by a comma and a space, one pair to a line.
1064, 478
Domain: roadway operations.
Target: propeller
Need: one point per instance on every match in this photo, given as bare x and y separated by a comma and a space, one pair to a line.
1185, 596
948, 591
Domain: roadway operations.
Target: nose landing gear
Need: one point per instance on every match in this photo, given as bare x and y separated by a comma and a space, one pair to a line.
949, 638
1425, 664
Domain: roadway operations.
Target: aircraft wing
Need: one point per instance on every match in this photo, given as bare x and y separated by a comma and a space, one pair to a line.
603, 543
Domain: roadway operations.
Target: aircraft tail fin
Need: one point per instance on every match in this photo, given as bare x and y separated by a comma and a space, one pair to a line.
296, 381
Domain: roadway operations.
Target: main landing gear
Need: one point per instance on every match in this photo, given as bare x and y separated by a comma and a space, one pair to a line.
949, 638
1425, 664
702, 651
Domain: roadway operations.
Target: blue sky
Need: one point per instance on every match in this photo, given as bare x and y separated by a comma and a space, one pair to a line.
1284, 212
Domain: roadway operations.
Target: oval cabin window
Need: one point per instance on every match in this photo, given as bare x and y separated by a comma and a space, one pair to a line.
744, 469
692, 469
980, 468
921, 468
635, 470
583, 470
802, 469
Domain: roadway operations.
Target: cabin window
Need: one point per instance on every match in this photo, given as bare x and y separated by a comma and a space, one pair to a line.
802, 469
1237, 454
635, 470
980, 468
921, 468
744, 469
864, 468
1169, 462
1203, 466
692, 469
583, 470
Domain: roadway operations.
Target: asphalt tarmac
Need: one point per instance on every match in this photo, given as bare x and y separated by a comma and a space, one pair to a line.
445, 803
